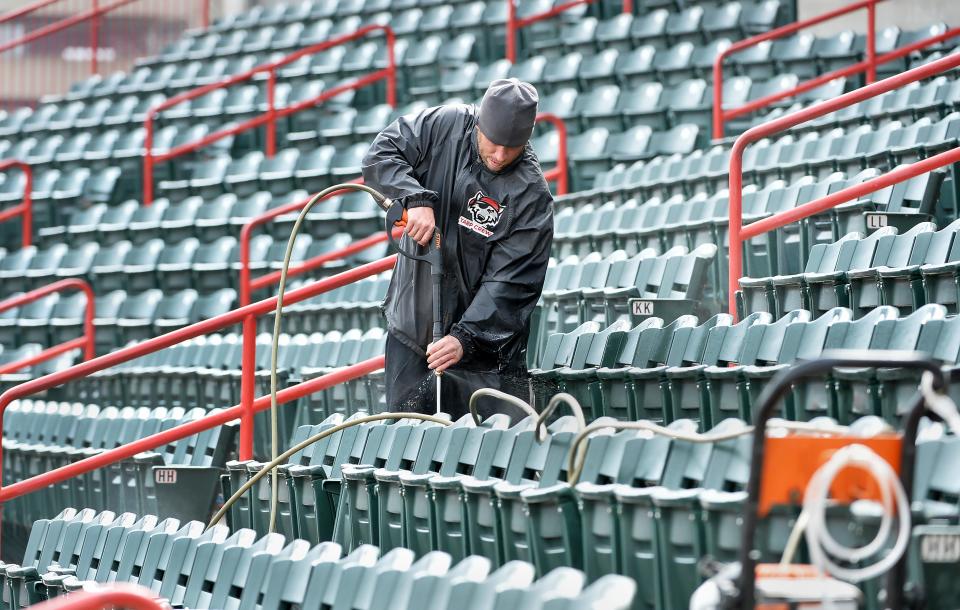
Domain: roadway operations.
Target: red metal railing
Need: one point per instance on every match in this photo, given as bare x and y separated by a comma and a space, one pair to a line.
117, 595
515, 24
25, 209
93, 16
560, 172
740, 233
87, 342
244, 412
869, 65
269, 118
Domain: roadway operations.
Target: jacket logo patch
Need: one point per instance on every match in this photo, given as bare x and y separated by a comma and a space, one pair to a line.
484, 214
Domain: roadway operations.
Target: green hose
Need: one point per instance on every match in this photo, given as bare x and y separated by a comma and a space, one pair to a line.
274, 427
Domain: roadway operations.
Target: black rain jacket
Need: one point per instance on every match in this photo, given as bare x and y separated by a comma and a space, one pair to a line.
497, 229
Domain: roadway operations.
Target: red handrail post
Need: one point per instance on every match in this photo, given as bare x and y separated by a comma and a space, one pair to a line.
148, 158
511, 32
205, 15
739, 233
25, 209
271, 113
391, 68
27, 214
94, 36
117, 595
560, 172
248, 365
871, 43
87, 342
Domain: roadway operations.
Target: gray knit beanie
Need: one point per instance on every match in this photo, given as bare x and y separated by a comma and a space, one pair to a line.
508, 112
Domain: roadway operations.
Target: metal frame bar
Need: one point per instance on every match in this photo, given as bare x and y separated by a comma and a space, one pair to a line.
740, 233
720, 115
24, 209
269, 117
87, 342
116, 595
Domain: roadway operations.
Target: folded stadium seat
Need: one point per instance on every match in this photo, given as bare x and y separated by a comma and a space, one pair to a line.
795, 55
685, 26
599, 69
673, 65
334, 128
597, 108
587, 156
39, 120
21, 148
857, 390
606, 238
901, 205
406, 23
532, 70
754, 61
136, 316
650, 29
107, 86
98, 152
130, 83
44, 151
313, 169
41, 269
105, 112
138, 270
345, 163
174, 265
722, 21
187, 112
665, 286
869, 287
724, 390
205, 179
174, 311
570, 276
561, 72
75, 148
12, 122
614, 33
452, 82
35, 314
630, 145
492, 45
81, 221
488, 73
357, 217
260, 39
819, 398
574, 36
501, 535
578, 376
640, 542
14, 265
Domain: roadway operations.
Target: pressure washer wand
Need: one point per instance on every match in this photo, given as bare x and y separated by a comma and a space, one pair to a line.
396, 215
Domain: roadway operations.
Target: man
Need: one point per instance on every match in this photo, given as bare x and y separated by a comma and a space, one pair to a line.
471, 173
